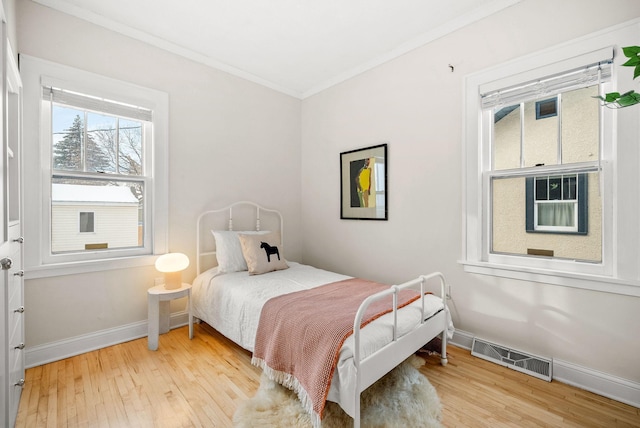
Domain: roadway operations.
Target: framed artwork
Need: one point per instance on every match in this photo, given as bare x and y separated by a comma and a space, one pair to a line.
363, 184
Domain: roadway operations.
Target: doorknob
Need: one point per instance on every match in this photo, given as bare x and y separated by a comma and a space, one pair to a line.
6, 263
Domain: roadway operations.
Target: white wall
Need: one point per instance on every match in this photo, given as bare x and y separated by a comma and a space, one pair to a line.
229, 139
415, 104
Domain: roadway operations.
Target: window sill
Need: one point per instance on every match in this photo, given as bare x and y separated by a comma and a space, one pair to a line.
605, 284
89, 266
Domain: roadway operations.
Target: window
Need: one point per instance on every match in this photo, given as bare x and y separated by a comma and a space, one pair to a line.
566, 145
557, 204
86, 222
546, 108
101, 171
553, 199
97, 162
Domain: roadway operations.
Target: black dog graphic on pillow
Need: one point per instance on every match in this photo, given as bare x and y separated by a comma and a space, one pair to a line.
270, 250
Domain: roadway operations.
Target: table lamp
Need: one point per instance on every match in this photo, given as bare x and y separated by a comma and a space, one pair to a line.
172, 265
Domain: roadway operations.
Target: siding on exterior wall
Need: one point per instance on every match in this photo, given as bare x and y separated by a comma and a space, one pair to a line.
117, 226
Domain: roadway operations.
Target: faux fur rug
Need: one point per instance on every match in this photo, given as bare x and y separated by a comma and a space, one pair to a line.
402, 398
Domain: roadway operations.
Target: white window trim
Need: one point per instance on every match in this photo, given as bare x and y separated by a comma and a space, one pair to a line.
619, 272
36, 175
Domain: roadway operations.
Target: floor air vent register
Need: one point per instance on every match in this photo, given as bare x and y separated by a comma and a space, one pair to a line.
517, 360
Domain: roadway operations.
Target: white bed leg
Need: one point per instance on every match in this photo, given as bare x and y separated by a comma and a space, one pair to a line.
356, 415
443, 351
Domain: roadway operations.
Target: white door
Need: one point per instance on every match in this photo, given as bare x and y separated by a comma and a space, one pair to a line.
4, 245
4, 356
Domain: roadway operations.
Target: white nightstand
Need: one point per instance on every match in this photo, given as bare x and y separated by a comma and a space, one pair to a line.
159, 300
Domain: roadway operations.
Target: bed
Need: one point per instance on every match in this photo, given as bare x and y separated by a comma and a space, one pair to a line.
230, 299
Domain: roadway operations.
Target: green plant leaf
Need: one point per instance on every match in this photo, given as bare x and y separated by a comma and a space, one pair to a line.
616, 100
611, 96
631, 51
632, 62
629, 99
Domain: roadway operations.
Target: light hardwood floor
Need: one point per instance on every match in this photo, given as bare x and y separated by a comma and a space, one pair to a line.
200, 382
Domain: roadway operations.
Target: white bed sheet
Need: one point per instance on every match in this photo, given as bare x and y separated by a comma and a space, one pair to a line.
231, 303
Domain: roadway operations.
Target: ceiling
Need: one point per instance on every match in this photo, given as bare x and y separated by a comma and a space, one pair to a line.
298, 47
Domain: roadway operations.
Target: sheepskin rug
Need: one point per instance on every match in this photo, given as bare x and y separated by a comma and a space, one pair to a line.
402, 398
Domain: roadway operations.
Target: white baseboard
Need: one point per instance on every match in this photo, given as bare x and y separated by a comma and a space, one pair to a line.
604, 384
55, 351
616, 388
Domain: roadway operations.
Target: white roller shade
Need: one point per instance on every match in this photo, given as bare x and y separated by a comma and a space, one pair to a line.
585, 70
102, 105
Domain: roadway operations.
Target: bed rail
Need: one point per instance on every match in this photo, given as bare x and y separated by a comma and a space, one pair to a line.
224, 217
380, 362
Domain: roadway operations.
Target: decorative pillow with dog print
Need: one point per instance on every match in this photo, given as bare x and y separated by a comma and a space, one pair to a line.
263, 253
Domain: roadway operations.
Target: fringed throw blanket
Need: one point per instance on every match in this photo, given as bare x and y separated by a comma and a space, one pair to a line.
300, 335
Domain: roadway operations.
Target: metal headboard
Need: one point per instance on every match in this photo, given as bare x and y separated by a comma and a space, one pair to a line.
247, 217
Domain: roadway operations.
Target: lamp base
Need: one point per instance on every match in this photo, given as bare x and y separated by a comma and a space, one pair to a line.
172, 280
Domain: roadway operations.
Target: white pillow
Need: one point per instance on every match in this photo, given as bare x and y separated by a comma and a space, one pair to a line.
229, 250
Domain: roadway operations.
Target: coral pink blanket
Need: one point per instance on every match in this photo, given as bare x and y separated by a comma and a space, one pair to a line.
300, 335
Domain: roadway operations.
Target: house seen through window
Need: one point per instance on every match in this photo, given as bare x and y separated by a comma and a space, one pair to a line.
544, 175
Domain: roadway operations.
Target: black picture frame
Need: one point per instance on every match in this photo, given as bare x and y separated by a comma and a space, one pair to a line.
363, 184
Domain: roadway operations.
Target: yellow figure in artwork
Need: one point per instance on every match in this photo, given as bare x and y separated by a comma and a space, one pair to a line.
363, 183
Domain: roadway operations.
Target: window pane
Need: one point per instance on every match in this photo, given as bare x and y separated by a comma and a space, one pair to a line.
509, 222
116, 210
560, 214
86, 222
101, 144
68, 135
580, 119
130, 147
542, 189
506, 129
569, 187
546, 108
540, 138
555, 188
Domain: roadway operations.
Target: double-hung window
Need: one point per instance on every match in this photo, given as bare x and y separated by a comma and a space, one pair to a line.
98, 166
98, 162
543, 136
549, 170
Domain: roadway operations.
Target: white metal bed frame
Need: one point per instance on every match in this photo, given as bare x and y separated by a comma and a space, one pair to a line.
205, 245
371, 368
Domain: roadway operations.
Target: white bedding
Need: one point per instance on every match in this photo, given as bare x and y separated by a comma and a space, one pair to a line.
231, 303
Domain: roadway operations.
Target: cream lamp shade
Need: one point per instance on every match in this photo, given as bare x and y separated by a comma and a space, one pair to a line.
172, 265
